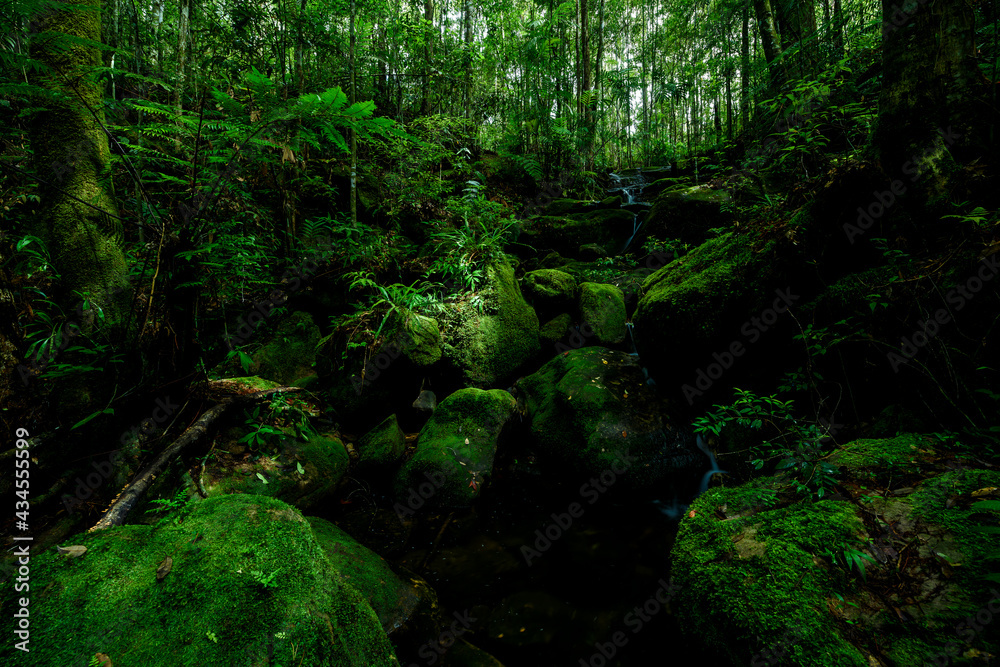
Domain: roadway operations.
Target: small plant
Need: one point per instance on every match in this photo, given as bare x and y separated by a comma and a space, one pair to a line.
265, 580
849, 559
212, 637
262, 433
179, 501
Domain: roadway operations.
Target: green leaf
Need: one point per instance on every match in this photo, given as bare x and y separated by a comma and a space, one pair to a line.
262, 478
106, 411
298, 466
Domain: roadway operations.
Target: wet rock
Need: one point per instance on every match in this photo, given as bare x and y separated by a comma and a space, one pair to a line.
592, 414
426, 401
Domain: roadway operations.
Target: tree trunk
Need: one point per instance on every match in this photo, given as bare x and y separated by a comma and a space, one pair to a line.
932, 102
79, 220
770, 41
797, 26
428, 54
745, 69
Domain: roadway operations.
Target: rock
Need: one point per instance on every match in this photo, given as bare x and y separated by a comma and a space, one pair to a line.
383, 446
591, 251
705, 303
569, 206
607, 227
394, 600
778, 572
603, 308
490, 339
592, 412
549, 287
556, 328
417, 336
455, 449
323, 461
688, 212
426, 401
247, 571
290, 355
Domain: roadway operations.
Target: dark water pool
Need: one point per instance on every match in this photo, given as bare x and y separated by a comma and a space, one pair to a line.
534, 589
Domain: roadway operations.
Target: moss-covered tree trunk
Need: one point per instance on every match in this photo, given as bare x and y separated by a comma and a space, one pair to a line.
931, 111
79, 219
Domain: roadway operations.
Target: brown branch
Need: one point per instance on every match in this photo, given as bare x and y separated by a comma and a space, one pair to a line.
136, 489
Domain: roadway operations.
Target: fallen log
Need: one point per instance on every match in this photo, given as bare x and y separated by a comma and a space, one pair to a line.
136, 489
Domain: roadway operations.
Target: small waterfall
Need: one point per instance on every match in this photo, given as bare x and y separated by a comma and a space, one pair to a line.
676, 509
630, 185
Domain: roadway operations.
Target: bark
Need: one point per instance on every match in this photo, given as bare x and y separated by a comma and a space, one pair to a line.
932, 111
745, 69
797, 26
79, 220
770, 41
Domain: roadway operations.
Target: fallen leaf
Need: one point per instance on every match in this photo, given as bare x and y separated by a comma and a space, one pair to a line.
164, 569
73, 552
102, 660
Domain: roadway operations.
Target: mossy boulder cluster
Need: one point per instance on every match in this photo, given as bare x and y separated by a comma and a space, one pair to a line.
771, 577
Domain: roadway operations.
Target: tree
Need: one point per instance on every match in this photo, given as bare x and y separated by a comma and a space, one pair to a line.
79, 219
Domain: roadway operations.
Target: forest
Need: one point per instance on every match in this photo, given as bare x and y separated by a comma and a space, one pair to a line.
595, 333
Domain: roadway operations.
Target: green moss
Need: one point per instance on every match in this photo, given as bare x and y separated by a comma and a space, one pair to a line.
222, 550
550, 284
589, 406
392, 599
491, 344
603, 308
768, 570
290, 355
383, 445
556, 328
757, 576
419, 338
607, 227
457, 446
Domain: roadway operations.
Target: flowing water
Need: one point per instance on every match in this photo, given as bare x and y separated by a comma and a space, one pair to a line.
629, 186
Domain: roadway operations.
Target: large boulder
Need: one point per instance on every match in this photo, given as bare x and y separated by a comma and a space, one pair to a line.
492, 334
235, 580
550, 287
687, 212
769, 575
716, 311
607, 227
603, 308
591, 411
455, 450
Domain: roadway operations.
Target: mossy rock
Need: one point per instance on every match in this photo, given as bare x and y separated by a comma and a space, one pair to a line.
704, 302
246, 584
603, 308
490, 340
590, 411
323, 460
607, 227
556, 328
291, 354
569, 206
549, 287
417, 337
394, 600
756, 565
688, 212
455, 449
383, 446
